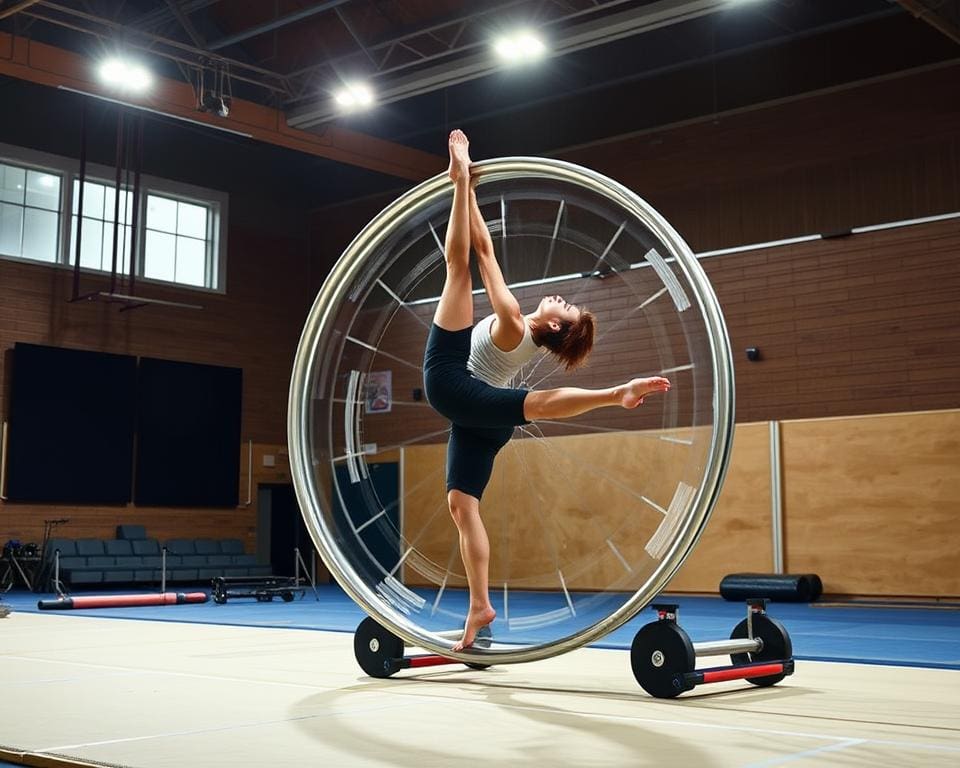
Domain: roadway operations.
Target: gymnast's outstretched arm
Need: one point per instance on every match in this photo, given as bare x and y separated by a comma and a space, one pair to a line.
508, 330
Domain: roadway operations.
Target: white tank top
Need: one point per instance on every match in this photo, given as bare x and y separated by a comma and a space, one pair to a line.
491, 364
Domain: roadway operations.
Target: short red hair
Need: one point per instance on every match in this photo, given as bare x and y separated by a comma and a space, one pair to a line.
572, 343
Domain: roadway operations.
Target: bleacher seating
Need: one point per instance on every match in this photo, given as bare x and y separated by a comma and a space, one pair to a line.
132, 558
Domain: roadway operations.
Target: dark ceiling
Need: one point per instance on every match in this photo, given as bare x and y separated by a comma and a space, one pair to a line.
617, 66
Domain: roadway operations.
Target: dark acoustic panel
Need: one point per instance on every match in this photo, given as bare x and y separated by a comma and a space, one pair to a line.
188, 434
71, 426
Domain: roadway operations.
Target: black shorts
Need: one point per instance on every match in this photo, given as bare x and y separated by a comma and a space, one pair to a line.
483, 417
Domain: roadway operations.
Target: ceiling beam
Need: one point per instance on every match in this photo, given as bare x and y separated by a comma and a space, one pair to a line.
933, 18
16, 8
269, 26
157, 18
55, 67
185, 22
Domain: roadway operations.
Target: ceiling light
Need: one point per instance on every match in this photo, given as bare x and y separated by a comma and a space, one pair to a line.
530, 45
521, 46
46, 181
127, 75
355, 95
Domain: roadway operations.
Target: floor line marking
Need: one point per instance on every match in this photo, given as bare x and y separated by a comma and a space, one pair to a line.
214, 729
806, 753
136, 671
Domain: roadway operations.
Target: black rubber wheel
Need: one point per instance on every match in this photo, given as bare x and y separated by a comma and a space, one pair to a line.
776, 646
287, 597
379, 652
219, 598
660, 655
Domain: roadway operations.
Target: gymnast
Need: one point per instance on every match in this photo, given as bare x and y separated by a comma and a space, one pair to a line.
468, 371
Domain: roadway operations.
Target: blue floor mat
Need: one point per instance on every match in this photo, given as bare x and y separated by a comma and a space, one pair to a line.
848, 632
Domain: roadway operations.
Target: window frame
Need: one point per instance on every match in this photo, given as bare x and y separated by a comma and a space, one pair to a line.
44, 164
68, 169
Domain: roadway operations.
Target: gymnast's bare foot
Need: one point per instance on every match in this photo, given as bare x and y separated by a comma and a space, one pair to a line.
635, 391
459, 155
477, 618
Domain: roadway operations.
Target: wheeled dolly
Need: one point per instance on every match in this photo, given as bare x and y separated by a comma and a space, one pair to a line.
380, 653
663, 657
262, 588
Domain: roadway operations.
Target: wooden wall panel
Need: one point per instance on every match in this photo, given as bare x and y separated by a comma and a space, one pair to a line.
577, 504
872, 504
739, 537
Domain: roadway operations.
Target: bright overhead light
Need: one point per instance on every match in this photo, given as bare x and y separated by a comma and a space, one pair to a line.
354, 95
46, 181
530, 45
127, 75
521, 46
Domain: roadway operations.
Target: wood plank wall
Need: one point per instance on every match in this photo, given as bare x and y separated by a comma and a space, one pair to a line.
577, 504
250, 327
868, 155
870, 503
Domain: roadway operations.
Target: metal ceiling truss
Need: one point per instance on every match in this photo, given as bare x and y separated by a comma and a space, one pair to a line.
173, 50
567, 31
943, 15
399, 67
415, 62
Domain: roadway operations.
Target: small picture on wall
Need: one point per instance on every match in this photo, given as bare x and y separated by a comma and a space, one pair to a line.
379, 392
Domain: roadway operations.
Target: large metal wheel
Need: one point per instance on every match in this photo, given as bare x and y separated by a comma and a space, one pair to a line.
594, 514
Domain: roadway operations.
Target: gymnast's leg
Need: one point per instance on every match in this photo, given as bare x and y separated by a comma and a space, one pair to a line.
455, 309
566, 402
475, 551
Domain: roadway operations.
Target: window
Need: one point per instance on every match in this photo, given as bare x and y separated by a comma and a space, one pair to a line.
29, 213
96, 248
181, 229
178, 241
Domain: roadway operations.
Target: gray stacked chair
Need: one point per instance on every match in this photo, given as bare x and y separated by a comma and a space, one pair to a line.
217, 563
243, 564
183, 561
151, 560
95, 562
122, 570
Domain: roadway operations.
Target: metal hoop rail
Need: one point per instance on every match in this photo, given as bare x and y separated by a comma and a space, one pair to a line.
322, 344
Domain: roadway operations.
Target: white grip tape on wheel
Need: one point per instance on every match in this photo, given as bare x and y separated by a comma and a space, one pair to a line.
666, 531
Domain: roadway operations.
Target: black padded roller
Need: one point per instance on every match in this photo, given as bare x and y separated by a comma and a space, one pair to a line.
782, 587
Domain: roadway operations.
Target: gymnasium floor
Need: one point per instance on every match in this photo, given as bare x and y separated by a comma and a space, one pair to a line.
273, 684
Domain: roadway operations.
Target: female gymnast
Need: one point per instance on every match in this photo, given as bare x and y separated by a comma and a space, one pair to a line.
468, 369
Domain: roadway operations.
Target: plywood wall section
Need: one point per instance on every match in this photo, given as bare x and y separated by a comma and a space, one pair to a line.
873, 503
574, 510
739, 536
870, 504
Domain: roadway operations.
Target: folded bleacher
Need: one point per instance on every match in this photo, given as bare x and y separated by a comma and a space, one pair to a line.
133, 558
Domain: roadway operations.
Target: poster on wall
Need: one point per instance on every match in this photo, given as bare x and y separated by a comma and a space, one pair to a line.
379, 392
